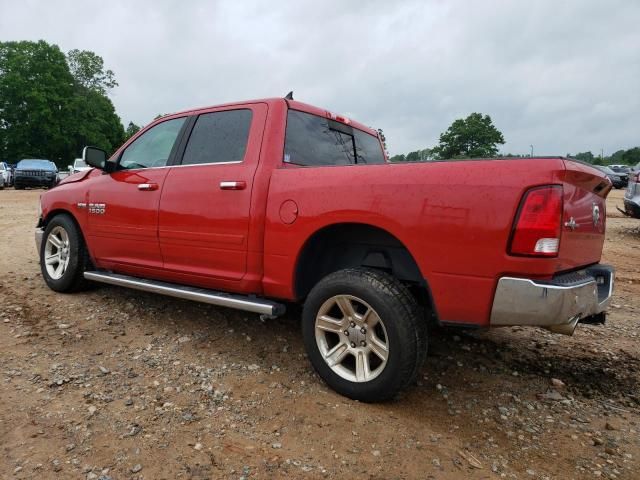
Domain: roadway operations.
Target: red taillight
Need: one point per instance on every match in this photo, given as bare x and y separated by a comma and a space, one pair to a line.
536, 231
637, 175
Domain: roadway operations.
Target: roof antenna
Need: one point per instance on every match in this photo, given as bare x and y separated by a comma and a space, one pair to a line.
289, 96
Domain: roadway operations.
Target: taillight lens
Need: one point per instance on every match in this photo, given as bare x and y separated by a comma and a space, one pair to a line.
536, 230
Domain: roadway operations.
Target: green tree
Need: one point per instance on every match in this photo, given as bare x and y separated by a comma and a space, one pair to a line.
398, 158
48, 112
413, 156
616, 157
585, 157
131, 130
631, 156
471, 137
35, 91
88, 70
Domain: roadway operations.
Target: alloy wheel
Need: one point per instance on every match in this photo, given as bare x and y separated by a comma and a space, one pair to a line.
351, 338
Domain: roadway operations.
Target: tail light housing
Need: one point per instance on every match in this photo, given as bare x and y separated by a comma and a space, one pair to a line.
537, 226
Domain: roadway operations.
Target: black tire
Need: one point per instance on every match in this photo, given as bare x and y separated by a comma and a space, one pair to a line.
72, 280
404, 323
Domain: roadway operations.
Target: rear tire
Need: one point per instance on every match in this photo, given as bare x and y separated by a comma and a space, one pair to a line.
63, 255
365, 334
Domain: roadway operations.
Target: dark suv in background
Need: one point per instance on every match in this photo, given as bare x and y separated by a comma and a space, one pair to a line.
618, 179
35, 173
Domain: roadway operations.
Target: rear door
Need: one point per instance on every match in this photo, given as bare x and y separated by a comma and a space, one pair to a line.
204, 214
122, 207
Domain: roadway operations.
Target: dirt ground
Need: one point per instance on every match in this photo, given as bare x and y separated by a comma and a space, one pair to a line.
116, 384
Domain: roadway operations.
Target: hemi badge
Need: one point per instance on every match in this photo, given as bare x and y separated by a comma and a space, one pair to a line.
81, 205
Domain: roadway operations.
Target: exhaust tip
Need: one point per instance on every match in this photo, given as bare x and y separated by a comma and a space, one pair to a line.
566, 328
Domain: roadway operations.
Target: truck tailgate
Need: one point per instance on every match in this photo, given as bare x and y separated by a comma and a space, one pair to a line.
584, 217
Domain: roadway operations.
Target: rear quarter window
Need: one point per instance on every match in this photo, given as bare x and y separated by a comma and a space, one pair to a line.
315, 141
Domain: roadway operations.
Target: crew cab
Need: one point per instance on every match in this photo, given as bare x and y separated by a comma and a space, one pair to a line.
257, 204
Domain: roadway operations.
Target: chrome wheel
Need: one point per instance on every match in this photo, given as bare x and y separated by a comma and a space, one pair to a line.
351, 338
57, 253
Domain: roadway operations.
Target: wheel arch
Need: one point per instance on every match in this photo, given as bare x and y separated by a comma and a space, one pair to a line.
44, 221
354, 244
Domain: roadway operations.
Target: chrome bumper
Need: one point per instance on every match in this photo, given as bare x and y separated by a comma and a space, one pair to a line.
558, 304
39, 234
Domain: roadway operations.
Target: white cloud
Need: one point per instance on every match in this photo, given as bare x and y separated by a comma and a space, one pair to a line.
563, 76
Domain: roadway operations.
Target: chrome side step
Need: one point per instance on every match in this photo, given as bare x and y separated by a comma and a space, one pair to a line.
240, 302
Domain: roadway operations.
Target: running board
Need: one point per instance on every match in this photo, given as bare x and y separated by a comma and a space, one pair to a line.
240, 302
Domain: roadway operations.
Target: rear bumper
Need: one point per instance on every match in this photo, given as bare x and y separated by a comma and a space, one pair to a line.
558, 304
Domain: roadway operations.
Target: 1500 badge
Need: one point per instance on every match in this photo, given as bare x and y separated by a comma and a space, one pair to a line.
97, 208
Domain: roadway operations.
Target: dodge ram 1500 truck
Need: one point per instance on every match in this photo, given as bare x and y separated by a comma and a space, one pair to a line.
255, 204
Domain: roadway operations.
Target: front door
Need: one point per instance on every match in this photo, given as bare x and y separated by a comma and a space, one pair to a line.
122, 206
205, 205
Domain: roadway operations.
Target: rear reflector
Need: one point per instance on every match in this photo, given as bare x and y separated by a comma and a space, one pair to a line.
536, 230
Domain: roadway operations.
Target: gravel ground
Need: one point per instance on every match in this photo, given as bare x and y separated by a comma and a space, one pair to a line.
115, 384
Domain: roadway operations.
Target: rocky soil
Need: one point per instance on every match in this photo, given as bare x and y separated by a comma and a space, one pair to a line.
115, 384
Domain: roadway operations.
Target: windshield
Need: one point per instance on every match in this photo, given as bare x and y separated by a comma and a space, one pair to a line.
36, 165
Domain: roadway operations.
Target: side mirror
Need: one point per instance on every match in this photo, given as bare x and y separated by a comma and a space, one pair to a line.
94, 157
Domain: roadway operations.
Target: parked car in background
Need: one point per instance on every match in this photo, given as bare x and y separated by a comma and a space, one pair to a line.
35, 173
620, 168
632, 196
619, 180
255, 204
78, 166
6, 175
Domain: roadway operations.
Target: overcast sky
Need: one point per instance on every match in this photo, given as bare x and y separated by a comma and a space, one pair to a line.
561, 75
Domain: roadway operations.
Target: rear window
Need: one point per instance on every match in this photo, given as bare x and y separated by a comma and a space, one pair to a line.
218, 137
314, 141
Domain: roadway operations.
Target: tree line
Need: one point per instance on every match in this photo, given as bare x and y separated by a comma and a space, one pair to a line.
52, 104
630, 156
476, 137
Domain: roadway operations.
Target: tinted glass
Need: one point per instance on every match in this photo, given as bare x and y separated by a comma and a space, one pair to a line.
36, 165
153, 147
368, 148
311, 140
218, 137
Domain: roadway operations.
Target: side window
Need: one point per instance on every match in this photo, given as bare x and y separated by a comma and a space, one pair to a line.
368, 148
309, 141
313, 141
218, 137
153, 147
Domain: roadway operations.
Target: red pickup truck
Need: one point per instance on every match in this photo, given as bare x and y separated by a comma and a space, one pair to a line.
255, 204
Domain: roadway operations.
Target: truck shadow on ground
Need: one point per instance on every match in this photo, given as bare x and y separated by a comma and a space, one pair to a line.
587, 373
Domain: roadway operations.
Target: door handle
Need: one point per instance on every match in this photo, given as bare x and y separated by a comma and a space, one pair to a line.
147, 186
236, 185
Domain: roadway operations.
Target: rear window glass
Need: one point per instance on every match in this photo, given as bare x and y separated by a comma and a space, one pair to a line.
218, 137
312, 141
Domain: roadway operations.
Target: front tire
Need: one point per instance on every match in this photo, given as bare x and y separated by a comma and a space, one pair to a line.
364, 333
63, 255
